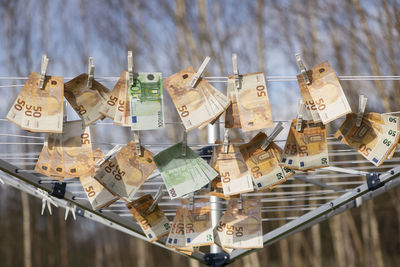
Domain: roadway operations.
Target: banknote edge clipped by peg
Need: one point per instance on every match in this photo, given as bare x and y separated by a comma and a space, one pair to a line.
303, 69
136, 138
184, 143
240, 203
235, 71
226, 141
43, 70
300, 109
90, 72
362, 104
200, 71
130, 67
191, 202
278, 128
157, 199
109, 154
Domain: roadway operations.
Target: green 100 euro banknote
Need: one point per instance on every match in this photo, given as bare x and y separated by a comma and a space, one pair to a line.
183, 174
146, 101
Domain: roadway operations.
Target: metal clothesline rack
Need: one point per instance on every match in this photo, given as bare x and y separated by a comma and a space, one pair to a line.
304, 200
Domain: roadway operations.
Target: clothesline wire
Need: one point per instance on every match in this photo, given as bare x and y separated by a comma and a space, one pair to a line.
225, 79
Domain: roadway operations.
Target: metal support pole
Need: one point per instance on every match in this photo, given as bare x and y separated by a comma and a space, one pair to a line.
212, 135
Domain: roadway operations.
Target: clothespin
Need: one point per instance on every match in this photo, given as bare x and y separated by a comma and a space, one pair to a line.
198, 74
191, 201
278, 128
300, 111
65, 113
109, 154
184, 143
362, 103
46, 200
90, 72
235, 70
226, 141
240, 203
70, 207
157, 199
43, 69
136, 138
130, 68
303, 69
358, 202
1, 181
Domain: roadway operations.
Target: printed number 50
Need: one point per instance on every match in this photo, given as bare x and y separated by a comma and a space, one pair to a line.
260, 91
183, 110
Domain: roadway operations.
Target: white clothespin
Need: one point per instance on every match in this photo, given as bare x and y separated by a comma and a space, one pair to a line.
198, 74
43, 69
1, 181
240, 203
130, 67
358, 202
184, 143
136, 138
109, 154
303, 69
70, 207
90, 72
362, 103
278, 128
157, 199
191, 201
226, 141
300, 112
235, 70
46, 200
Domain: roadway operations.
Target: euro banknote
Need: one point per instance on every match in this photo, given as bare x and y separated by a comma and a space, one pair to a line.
122, 115
290, 156
43, 163
183, 174
98, 196
232, 118
146, 101
306, 149
235, 175
326, 95
263, 164
197, 223
87, 102
312, 146
176, 236
124, 174
253, 102
77, 149
39, 110
57, 158
196, 106
242, 226
69, 154
220, 233
153, 222
376, 137
111, 98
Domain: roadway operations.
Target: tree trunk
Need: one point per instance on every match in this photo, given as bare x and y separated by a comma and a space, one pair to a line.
63, 238
26, 217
